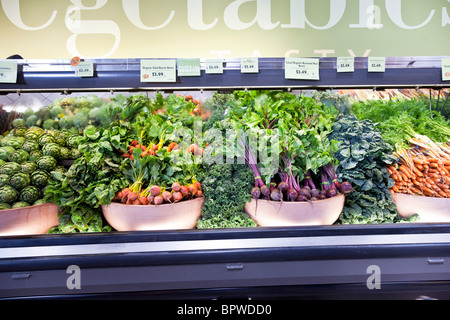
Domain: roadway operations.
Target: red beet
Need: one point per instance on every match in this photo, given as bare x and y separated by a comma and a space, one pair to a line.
314, 192
283, 186
305, 192
346, 187
331, 193
265, 190
276, 195
256, 192
291, 194
321, 197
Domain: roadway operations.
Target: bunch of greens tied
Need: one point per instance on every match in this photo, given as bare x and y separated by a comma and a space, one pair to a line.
290, 135
363, 156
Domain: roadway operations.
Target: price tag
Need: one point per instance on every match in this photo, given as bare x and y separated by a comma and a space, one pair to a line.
188, 67
84, 69
249, 65
158, 70
214, 66
301, 68
345, 64
8, 71
445, 65
376, 64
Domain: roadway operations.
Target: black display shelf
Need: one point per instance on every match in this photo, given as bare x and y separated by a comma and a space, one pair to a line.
124, 75
230, 262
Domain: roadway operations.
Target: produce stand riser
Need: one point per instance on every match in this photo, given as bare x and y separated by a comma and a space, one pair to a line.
301, 261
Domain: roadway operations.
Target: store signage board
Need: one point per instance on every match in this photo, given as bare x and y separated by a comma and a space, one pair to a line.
345, 64
376, 64
8, 71
84, 69
214, 66
188, 67
301, 68
247, 28
445, 65
249, 65
158, 70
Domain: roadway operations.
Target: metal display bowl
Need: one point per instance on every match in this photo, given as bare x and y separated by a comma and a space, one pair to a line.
179, 215
37, 219
267, 213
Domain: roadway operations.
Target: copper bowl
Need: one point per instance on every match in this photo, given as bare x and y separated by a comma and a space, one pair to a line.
267, 213
179, 215
37, 219
429, 209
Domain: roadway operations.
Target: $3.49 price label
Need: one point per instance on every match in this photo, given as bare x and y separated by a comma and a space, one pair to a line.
446, 69
84, 69
345, 64
249, 65
301, 68
214, 66
8, 71
376, 64
158, 70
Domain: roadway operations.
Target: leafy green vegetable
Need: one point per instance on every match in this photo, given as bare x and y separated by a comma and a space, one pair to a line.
396, 120
363, 156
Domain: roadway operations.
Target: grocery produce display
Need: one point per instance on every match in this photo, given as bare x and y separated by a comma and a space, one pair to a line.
29, 157
138, 150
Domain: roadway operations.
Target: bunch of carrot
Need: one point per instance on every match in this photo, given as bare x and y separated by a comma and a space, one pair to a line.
198, 108
423, 169
155, 195
150, 150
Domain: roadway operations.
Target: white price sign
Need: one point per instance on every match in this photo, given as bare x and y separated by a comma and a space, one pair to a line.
249, 65
8, 71
376, 64
301, 68
345, 64
158, 71
214, 66
445, 69
84, 69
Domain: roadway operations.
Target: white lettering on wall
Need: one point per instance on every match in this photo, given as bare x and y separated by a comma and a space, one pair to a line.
195, 16
365, 54
262, 16
133, 13
324, 52
394, 11
79, 27
299, 19
445, 17
369, 16
12, 12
